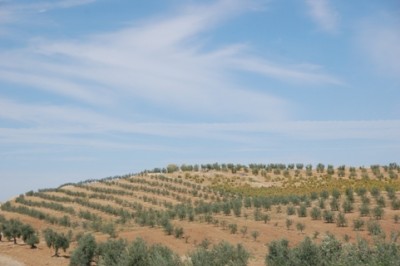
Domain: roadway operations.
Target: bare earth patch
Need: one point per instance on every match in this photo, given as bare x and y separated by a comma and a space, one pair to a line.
4, 260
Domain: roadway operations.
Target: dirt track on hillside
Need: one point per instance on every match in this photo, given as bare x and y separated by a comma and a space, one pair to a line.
7, 261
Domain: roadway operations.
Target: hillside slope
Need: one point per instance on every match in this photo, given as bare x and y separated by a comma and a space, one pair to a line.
252, 205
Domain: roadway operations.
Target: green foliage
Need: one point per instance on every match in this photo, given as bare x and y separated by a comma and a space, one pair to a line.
278, 253
289, 223
110, 253
361, 191
221, 254
380, 201
349, 194
29, 235
266, 218
33, 240
290, 210
375, 192
109, 228
334, 204
12, 229
300, 227
136, 254
257, 214
232, 228
171, 168
56, 240
163, 256
255, 235
302, 211
321, 203
178, 232
347, 206
336, 193
378, 212
331, 252
341, 220
328, 216
84, 252
395, 204
324, 194
374, 228
364, 210
315, 213
358, 224
306, 253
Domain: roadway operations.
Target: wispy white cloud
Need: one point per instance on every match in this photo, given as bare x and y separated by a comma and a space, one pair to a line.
379, 38
14, 8
159, 62
67, 125
323, 14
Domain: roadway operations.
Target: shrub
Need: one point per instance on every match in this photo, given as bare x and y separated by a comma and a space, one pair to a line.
315, 213
361, 191
324, 194
396, 204
84, 252
347, 206
358, 224
321, 203
375, 192
300, 227
257, 214
56, 241
365, 200
289, 223
306, 253
302, 211
110, 253
350, 194
178, 232
221, 254
233, 228
290, 210
335, 193
341, 220
255, 235
381, 202
374, 228
334, 204
29, 236
12, 229
364, 210
378, 212
266, 218
313, 195
329, 216
278, 253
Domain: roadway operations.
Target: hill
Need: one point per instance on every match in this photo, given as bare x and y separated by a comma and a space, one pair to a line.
183, 207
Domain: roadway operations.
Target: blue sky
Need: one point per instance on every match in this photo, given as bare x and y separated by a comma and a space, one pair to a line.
90, 89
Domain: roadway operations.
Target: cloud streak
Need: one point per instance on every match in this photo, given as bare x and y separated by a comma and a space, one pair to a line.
160, 63
323, 14
379, 40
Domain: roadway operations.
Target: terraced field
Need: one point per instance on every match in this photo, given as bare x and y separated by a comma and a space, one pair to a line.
181, 207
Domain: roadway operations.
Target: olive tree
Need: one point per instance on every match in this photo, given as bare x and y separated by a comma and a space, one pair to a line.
56, 240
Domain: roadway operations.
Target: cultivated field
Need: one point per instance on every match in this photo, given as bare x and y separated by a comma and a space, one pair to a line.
191, 206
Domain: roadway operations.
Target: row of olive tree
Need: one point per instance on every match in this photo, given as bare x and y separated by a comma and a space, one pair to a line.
333, 252
120, 253
13, 229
